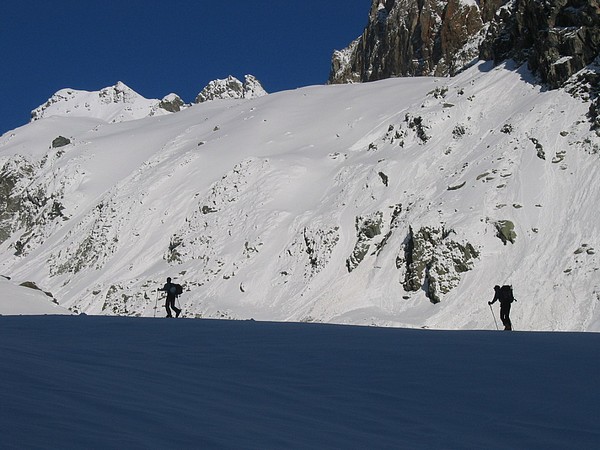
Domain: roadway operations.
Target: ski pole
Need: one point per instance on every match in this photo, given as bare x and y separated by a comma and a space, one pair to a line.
494, 316
155, 303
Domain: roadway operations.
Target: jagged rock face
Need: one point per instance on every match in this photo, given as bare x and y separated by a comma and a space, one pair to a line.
433, 261
410, 37
366, 229
586, 86
28, 206
231, 88
426, 37
12, 171
557, 37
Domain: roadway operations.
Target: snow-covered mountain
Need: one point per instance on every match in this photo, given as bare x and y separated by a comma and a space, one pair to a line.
120, 103
116, 103
400, 202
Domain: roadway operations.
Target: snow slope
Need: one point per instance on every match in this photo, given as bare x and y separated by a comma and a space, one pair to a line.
362, 204
114, 382
18, 300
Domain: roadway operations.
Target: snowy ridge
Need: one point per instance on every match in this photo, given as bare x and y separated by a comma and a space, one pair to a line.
116, 103
396, 203
120, 103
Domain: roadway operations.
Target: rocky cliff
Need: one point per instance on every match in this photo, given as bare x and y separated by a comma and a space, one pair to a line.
431, 37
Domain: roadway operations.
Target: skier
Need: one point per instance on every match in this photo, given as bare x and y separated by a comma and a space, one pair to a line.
171, 290
505, 296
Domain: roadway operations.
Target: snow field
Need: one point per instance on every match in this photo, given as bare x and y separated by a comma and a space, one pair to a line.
102, 382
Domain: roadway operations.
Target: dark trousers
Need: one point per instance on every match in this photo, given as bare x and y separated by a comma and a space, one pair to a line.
504, 315
170, 303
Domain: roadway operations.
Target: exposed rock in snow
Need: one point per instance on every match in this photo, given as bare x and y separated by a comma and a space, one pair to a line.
231, 88
557, 37
60, 141
172, 103
430, 37
411, 38
342, 70
434, 261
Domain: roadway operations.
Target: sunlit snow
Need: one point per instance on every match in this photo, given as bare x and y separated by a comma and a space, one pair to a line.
257, 205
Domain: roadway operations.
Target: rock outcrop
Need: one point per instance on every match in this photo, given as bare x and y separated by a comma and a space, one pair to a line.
557, 37
426, 37
172, 103
366, 229
410, 38
30, 207
231, 88
433, 261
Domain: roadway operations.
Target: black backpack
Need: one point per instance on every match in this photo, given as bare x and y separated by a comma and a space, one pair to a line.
506, 294
175, 289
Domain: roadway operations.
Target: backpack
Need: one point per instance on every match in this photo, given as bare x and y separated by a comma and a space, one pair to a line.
175, 289
506, 294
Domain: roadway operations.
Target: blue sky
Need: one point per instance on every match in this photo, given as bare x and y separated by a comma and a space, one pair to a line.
158, 47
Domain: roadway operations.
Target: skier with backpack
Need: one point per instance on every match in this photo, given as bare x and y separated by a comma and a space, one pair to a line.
173, 291
505, 296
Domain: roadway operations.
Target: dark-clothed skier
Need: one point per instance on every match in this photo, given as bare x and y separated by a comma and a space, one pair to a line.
505, 296
171, 291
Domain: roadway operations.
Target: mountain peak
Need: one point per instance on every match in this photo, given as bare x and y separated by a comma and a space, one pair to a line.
231, 88
119, 93
116, 103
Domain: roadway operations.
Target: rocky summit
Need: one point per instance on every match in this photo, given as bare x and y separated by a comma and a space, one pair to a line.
431, 37
231, 88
